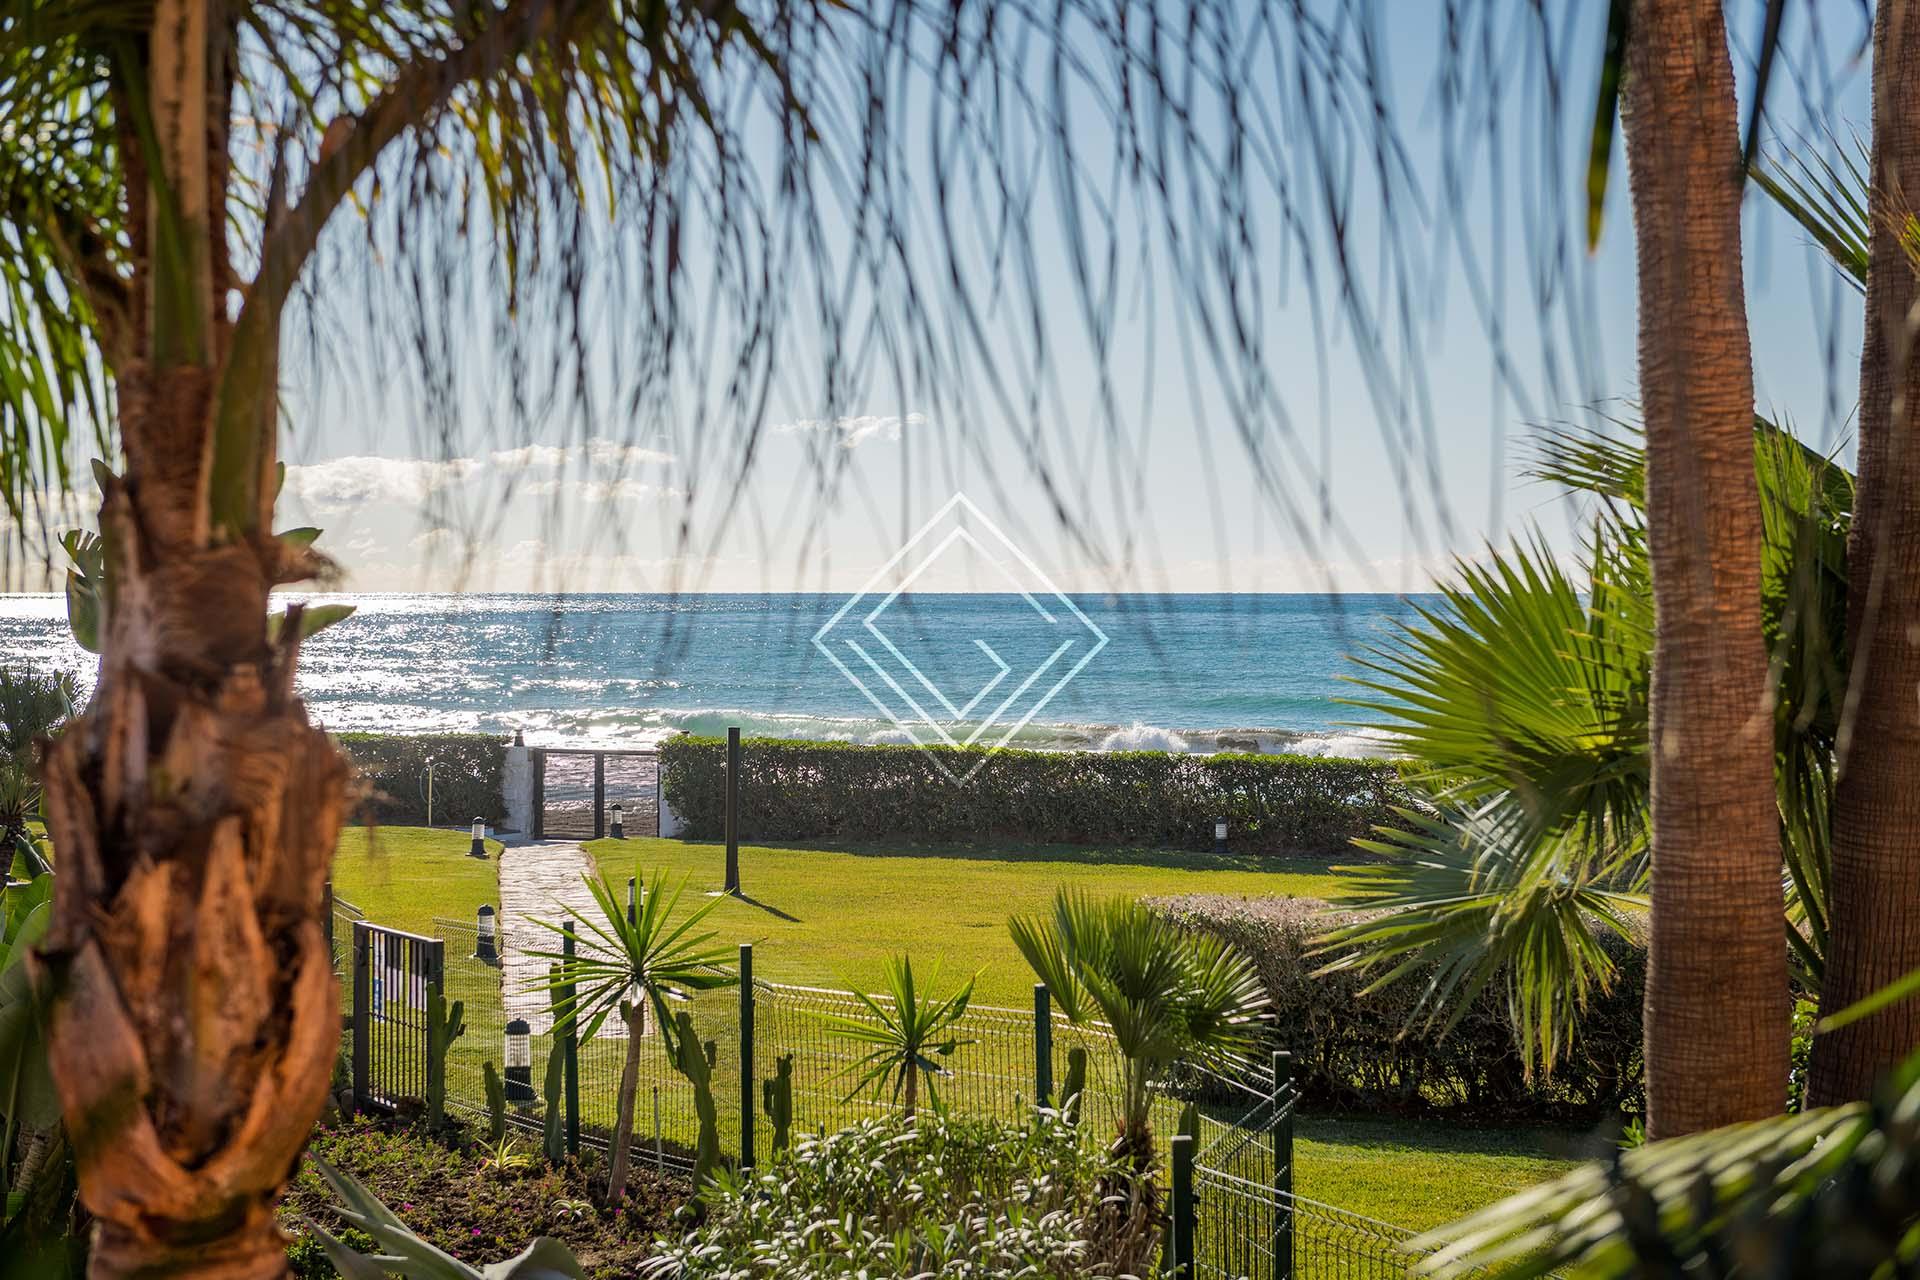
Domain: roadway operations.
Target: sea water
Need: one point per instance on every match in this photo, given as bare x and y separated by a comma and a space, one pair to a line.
1178, 672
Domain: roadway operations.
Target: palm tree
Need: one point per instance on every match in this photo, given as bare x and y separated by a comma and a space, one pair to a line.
170, 171
628, 967
1875, 894
903, 1032
1717, 1011
1166, 995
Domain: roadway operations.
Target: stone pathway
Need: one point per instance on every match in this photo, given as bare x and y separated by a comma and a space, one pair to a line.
539, 881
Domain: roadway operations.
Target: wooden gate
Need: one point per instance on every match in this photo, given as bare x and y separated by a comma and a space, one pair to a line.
575, 791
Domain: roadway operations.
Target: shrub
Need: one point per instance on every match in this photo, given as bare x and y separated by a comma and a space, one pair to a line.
467, 772
1361, 1051
817, 790
942, 1196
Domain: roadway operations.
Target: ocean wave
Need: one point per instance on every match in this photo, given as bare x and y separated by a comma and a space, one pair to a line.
634, 727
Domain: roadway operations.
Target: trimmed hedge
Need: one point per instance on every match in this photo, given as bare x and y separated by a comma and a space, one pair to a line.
1358, 1051
791, 790
467, 773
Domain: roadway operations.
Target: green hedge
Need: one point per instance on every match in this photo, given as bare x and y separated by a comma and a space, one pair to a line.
1356, 1050
830, 790
467, 770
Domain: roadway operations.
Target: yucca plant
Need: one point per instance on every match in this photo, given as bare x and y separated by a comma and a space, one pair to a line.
625, 968
906, 1030
1165, 994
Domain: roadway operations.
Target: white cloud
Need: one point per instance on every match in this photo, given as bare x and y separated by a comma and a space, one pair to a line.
601, 455
856, 431
600, 492
342, 484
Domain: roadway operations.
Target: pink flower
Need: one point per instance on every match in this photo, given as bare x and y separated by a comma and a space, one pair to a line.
476, 1231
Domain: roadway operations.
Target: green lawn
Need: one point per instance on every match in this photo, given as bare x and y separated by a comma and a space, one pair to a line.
405, 876
829, 917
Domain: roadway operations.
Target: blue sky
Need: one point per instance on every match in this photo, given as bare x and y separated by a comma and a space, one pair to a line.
1168, 503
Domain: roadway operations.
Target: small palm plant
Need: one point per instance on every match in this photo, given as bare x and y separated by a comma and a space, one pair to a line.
623, 967
1166, 995
903, 1032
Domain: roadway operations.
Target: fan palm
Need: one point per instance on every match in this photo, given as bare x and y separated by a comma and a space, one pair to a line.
1166, 995
1525, 692
627, 967
903, 1032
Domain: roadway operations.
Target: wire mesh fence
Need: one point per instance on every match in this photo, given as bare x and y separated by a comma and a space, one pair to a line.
1248, 1223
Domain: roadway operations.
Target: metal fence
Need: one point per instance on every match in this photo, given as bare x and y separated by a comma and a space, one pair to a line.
577, 790
1244, 1220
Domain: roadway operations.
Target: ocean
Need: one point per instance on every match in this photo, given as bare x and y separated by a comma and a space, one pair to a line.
1177, 672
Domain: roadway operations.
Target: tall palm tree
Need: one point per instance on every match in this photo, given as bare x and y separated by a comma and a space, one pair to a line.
1875, 893
170, 170
1165, 994
1717, 1012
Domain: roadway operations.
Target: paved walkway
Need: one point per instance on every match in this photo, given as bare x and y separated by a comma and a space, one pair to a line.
539, 881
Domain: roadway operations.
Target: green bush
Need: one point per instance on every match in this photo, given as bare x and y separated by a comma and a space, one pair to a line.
939, 1196
1354, 1050
833, 790
467, 773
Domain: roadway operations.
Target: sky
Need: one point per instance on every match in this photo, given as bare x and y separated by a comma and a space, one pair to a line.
1164, 485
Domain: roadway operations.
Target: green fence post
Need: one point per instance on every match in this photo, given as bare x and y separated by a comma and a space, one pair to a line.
326, 909
1042, 1045
1285, 1097
435, 1075
746, 1055
362, 1000
571, 1062
1183, 1206
733, 812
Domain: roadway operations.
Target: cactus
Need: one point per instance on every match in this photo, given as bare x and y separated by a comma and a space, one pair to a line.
776, 1093
695, 1061
445, 1024
496, 1102
1076, 1087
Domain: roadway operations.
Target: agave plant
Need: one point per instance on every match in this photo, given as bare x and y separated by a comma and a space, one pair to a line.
1165, 994
1525, 692
627, 967
905, 1035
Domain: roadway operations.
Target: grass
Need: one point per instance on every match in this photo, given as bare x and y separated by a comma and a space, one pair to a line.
830, 916
405, 876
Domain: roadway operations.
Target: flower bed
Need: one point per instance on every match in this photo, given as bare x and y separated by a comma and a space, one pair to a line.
457, 1198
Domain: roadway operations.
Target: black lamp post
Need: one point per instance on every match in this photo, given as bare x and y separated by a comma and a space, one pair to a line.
479, 847
619, 832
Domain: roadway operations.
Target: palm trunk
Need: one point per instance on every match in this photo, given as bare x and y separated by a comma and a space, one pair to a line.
1874, 894
194, 1017
1717, 1011
622, 1154
913, 1090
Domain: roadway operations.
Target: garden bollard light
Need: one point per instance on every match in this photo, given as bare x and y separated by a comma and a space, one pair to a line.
484, 949
618, 832
518, 1055
1219, 837
479, 847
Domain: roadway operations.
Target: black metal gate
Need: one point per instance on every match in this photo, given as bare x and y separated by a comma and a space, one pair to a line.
391, 973
575, 792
